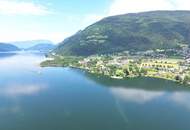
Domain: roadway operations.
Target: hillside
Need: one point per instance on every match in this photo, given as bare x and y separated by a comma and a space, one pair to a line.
132, 32
4, 47
41, 47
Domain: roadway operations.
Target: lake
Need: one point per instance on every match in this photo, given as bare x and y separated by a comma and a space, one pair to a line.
35, 98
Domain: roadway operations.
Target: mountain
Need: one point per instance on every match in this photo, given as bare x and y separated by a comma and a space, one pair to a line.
41, 47
31, 43
130, 32
4, 47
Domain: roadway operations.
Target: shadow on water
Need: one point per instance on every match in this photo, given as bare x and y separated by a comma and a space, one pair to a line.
151, 84
147, 103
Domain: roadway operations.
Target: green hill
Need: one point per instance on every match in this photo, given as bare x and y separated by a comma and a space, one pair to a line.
132, 32
4, 47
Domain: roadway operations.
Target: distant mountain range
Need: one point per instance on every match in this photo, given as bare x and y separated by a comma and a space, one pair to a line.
130, 32
43, 47
31, 43
36, 45
4, 47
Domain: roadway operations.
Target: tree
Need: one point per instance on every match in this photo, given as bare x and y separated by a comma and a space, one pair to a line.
186, 79
120, 73
126, 71
112, 69
143, 71
178, 78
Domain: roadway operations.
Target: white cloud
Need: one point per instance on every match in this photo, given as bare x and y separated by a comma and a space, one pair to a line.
21, 90
135, 95
14, 7
181, 98
19, 7
133, 6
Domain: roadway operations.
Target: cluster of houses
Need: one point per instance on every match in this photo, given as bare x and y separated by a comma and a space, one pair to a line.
161, 65
157, 66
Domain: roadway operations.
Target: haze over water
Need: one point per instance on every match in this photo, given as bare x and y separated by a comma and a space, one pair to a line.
35, 98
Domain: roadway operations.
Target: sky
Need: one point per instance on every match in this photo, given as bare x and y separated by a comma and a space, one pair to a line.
56, 20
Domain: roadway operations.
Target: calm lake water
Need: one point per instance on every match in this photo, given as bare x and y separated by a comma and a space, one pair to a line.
34, 98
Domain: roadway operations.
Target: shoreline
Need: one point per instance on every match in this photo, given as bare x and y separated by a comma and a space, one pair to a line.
122, 67
117, 77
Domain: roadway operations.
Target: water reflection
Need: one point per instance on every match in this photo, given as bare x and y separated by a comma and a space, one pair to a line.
21, 90
136, 95
143, 83
144, 91
21, 61
5, 55
13, 109
141, 96
14, 95
51, 100
181, 98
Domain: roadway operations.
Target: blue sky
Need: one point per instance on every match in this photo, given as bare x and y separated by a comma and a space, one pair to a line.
57, 19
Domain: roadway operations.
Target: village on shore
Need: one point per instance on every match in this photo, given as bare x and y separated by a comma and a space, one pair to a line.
168, 64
